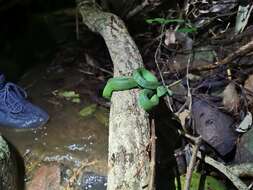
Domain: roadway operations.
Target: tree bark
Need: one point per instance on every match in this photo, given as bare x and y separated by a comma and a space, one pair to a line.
129, 130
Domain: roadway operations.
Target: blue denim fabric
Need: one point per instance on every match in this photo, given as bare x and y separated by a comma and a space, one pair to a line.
15, 110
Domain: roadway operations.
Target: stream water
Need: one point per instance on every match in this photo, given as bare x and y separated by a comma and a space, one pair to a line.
67, 138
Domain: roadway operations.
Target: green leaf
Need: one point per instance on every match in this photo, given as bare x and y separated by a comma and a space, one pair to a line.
187, 30
88, 110
210, 182
164, 21
76, 100
69, 94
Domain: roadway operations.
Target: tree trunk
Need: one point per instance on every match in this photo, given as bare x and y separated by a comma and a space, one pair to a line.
129, 130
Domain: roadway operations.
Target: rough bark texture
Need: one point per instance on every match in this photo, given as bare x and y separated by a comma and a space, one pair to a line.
8, 170
129, 130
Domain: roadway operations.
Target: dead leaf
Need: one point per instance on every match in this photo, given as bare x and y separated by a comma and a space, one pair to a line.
183, 116
231, 99
170, 37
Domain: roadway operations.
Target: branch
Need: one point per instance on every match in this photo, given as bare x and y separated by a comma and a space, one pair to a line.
137, 9
228, 60
129, 131
197, 143
226, 171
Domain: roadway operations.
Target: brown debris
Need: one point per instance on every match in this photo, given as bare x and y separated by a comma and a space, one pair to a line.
231, 99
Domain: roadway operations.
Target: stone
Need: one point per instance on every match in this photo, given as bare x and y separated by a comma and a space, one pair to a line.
46, 178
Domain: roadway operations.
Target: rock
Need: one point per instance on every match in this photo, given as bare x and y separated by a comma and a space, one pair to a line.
46, 178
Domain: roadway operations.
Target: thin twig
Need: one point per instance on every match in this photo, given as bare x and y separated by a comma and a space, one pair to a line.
241, 51
159, 70
151, 185
222, 40
77, 173
191, 166
137, 9
228, 60
188, 84
77, 24
226, 171
90, 61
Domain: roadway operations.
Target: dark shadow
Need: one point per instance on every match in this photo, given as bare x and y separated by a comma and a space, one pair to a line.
167, 141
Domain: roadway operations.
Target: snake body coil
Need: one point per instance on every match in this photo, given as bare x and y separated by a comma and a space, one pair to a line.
142, 78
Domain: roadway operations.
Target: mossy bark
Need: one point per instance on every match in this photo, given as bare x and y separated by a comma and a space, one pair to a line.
8, 170
129, 130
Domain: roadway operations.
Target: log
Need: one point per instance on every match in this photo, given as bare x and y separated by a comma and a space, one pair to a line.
129, 128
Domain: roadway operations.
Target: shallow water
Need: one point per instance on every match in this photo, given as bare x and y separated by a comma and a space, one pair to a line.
92, 181
67, 138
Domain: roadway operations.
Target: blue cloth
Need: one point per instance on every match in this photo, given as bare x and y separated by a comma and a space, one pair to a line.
15, 110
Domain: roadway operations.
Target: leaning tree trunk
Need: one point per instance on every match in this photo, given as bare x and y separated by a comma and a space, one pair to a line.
129, 131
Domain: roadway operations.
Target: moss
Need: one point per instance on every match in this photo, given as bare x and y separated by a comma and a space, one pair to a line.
4, 149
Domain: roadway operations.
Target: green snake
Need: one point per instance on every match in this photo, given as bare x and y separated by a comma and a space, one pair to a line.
151, 91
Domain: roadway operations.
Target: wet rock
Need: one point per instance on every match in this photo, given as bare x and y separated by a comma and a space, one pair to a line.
46, 178
214, 126
92, 181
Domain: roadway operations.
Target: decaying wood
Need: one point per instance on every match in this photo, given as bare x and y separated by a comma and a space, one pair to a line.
129, 131
242, 170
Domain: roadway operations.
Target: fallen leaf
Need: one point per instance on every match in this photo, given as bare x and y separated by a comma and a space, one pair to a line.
183, 115
69, 94
231, 99
170, 37
88, 110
